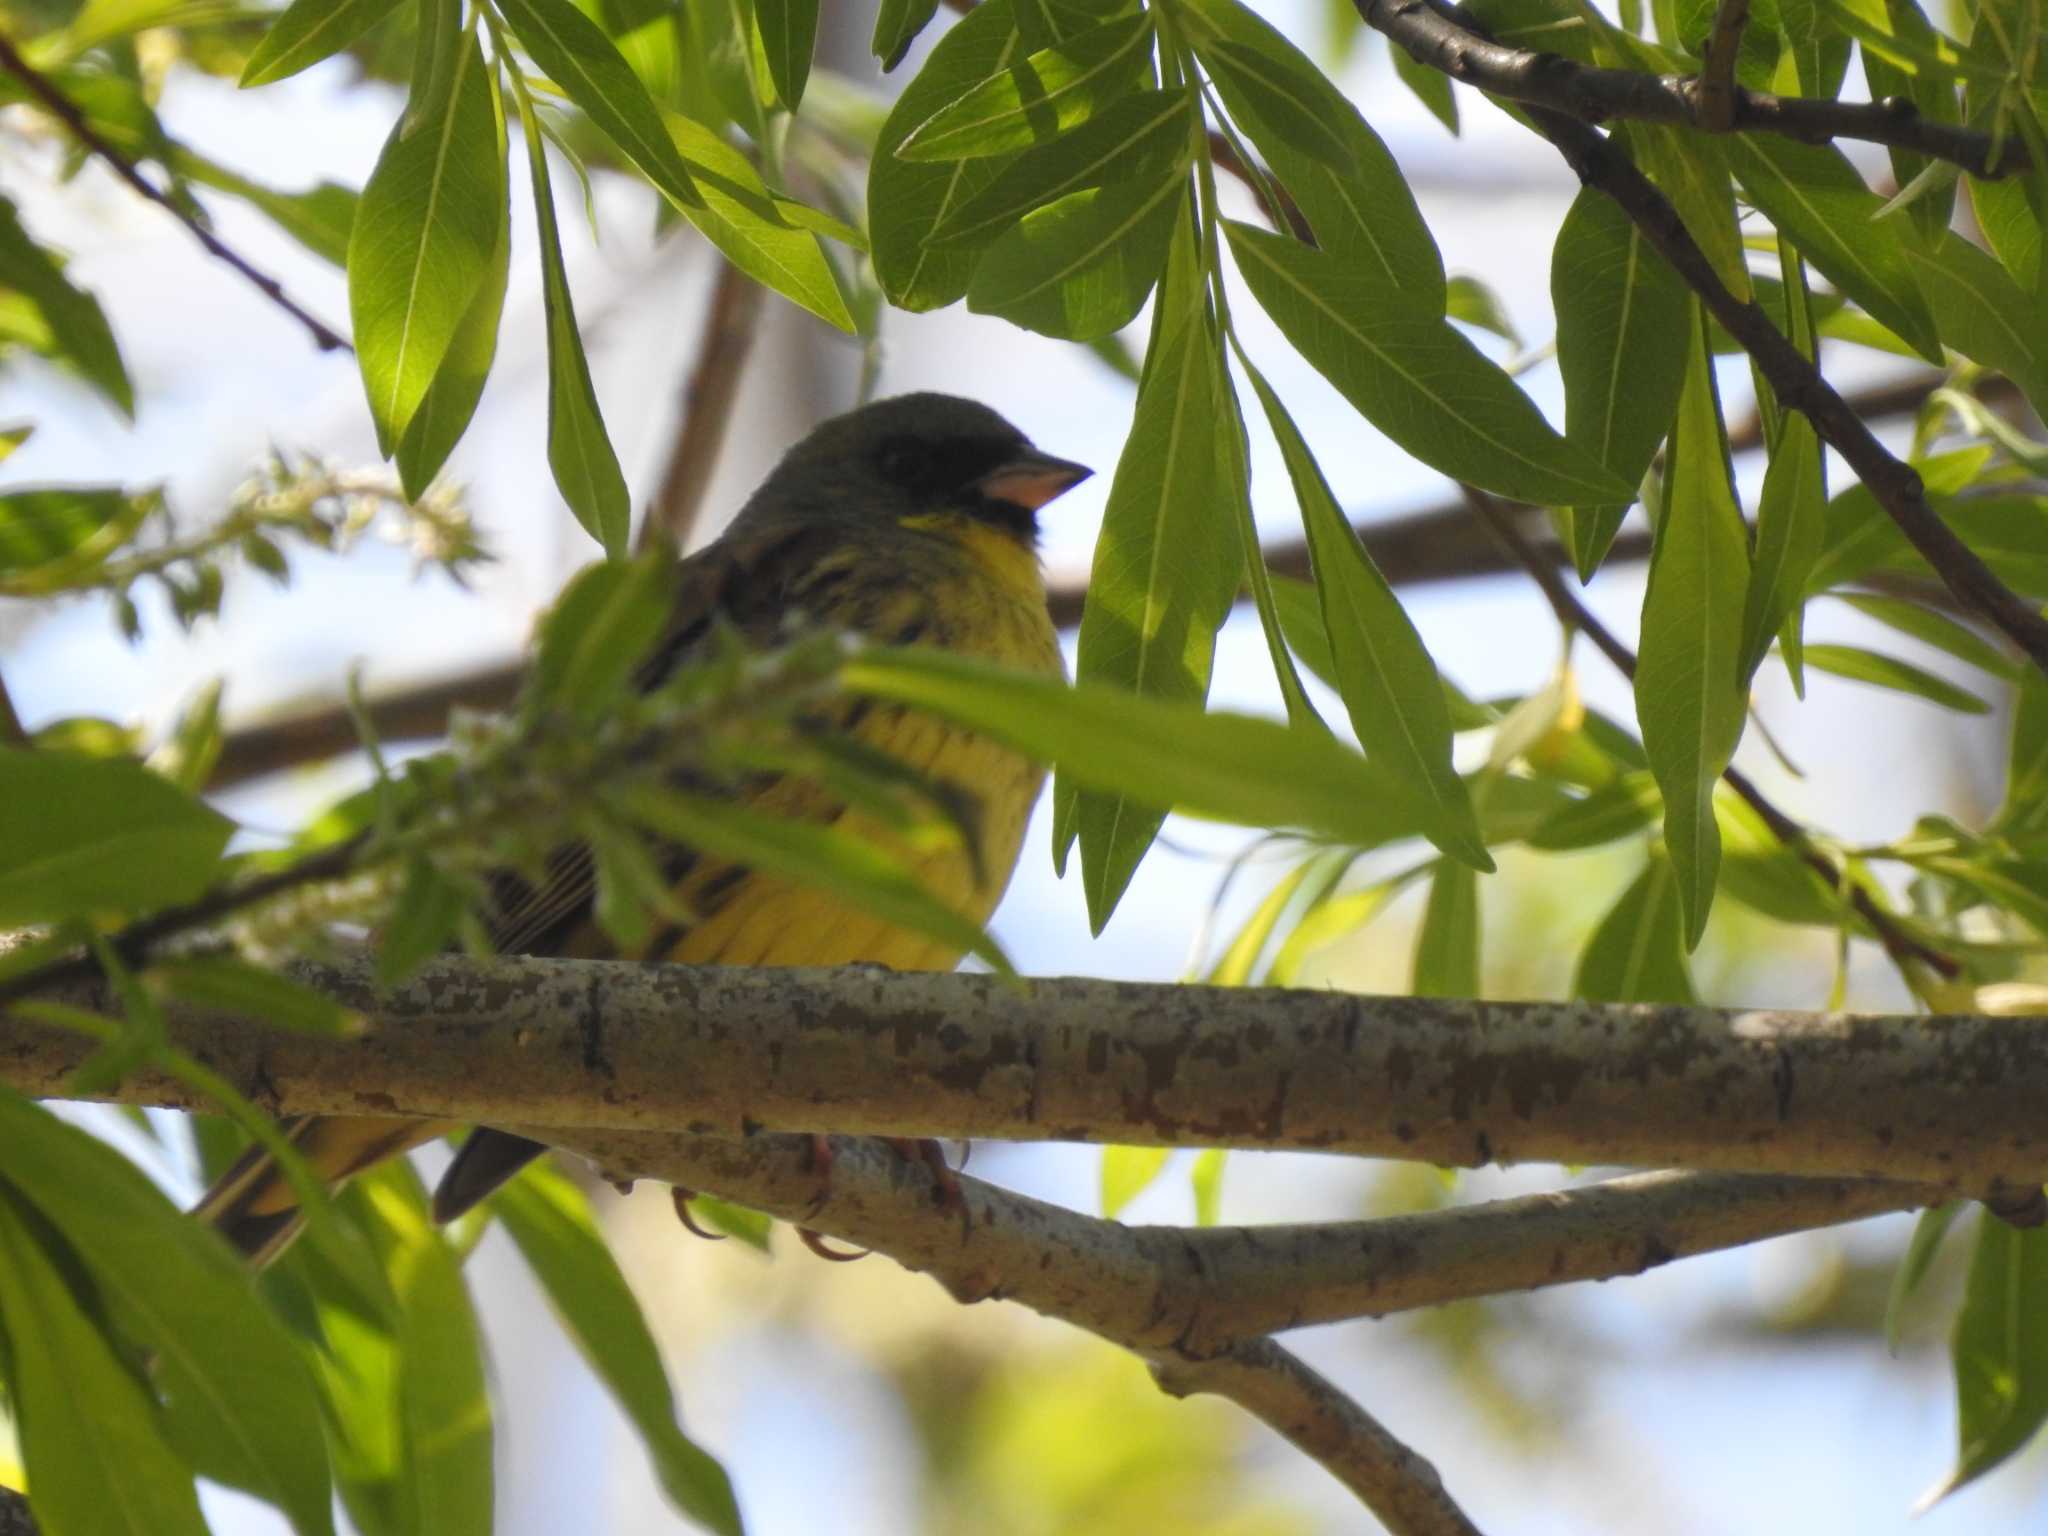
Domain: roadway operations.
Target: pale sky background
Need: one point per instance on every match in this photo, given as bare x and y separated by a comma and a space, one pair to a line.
1680, 1427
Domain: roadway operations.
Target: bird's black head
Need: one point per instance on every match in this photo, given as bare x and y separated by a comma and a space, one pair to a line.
918, 455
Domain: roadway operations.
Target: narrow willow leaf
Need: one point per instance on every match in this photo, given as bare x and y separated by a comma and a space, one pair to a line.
1082, 268
1859, 536
1127, 1172
897, 23
557, 1235
1881, 671
235, 986
76, 325
1039, 97
1384, 673
91, 1440
1141, 138
1431, 87
1167, 563
1984, 314
1413, 376
1637, 954
48, 533
422, 920
1447, 944
1470, 302
306, 32
1692, 170
847, 867
574, 53
240, 1401
1618, 305
1368, 212
761, 234
1157, 752
734, 64
423, 240
1935, 100
81, 835
1791, 523
907, 199
606, 620
2006, 216
1234, 967
1936, 629
1334, 919
789, 35
580, 451
1928, 1231
444, 412
319, 218
1205, 1179
1627, 804
1280, 93
2000, 1351
1686, 695
1814, 195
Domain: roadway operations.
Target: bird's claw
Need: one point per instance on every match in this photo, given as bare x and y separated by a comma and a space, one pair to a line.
682, 1198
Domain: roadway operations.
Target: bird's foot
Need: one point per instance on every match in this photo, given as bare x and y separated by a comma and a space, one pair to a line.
682, 1198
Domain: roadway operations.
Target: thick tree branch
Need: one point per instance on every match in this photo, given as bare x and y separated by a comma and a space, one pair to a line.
1950, 1101
731, 317
1440, 40
1573, 614
16, 1518
67, 111
1717, 88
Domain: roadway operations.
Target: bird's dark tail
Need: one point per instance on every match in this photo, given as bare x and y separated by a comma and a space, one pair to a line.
481, 1164
253, 1204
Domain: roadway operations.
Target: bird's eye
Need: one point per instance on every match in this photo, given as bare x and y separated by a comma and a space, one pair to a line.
902, 463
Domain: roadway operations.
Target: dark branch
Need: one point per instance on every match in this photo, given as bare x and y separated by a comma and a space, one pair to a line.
730, 321
1573, 614
1717, 87
67, 111
1440, 40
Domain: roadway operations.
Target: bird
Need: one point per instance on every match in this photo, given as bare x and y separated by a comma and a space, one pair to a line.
912, 520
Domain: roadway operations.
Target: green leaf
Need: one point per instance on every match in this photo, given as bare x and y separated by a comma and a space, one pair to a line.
1366, 213
423, 241
319, 218
1234, 967
1158, 752
235, 986
1692, 170
789, 35
444, 412
750, 1227
1627, 804
1863, 666
599, 630
847, 867
1447, 945
574, 53
1934, 99
76, 325
83, 835
1936, 629
1618, 305
306, 32
1141, 138
1082, 268
1637, 954
2000, 1351
758, 232
2005, 214
50, 533
422, 920
1687, 698
1167, 562
92, 1442
1431, 87
1206, 1180
1928, 1231
1470, 302
1281, 90
1381, 668
1045, 94
1791, 523
908, 199
1414, 377
897, 23
1861, 537
240, 1401
580, 451
1127, 1172
558, 1237
1814, 195
1984, 314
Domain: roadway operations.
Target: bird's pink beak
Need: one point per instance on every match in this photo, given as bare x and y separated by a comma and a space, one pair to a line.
1030, 479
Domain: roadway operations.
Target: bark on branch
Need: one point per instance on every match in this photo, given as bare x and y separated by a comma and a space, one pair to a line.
1949, 1101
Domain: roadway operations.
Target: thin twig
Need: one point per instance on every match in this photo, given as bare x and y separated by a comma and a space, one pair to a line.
1573, 614
730, 320
1315, 1416
68, 112
1442, 41
1716, 88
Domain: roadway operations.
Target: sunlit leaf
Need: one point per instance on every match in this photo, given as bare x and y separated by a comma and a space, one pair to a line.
1038, 97
1637, 954
306, 32
76, 325
2000, 1351
1881, 671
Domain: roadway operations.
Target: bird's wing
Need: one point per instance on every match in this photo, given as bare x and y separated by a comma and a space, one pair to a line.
753, 582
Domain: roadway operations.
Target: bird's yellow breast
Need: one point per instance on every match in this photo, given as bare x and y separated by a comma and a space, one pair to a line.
967, 588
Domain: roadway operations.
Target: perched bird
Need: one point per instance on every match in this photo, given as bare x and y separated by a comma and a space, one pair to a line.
913, 521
